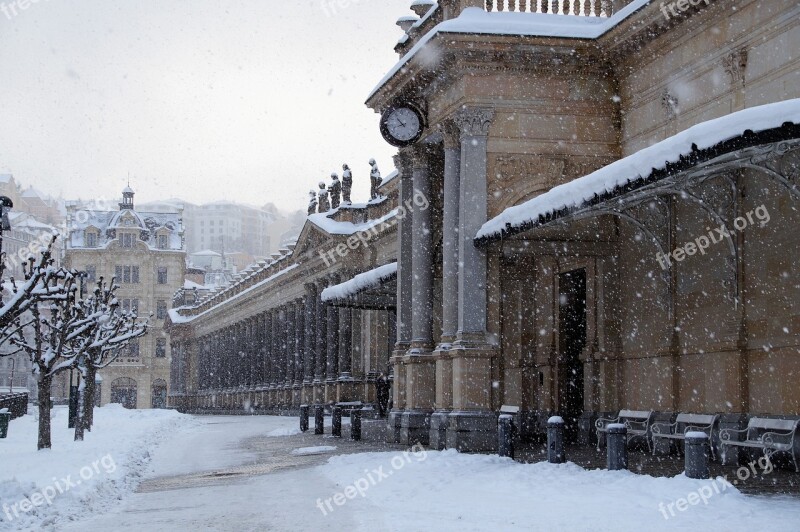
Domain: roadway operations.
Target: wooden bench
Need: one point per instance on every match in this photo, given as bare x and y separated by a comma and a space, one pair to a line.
636, 421
685, 422
770, 435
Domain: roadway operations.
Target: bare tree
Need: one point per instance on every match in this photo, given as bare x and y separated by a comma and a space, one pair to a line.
96, 341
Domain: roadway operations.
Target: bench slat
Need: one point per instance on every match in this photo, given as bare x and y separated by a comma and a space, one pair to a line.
696, 419
635, 414
772, 424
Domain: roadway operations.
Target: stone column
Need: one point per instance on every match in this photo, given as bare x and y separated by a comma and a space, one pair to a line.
346, 386
321, 350
291, 344
450, 244
420, 364
309, 358
472, 425
276, 351
299, 358
402, 162
332, 337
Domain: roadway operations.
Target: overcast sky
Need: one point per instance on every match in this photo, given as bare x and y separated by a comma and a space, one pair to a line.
246, 100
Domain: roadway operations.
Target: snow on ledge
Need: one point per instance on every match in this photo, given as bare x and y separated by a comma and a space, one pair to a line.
360, 282
642, 164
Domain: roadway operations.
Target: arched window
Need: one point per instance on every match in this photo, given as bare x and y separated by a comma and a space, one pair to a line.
123, 391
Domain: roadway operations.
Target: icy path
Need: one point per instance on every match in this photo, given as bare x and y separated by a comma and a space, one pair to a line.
225, 473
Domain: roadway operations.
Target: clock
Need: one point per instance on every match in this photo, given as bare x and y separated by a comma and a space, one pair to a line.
402, 125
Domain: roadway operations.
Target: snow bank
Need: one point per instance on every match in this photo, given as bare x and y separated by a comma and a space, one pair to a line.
451, 491
320, 449
360, 282
642, 163
78, 477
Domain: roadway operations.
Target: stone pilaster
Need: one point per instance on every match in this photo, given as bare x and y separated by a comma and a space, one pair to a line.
320, 351
472, 424
332, 336
309, 343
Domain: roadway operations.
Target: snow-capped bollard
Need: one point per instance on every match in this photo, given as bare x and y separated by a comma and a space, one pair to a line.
319, 419
555, 440
505, 435
304, 418
355, 424
617, 447
336, 421
698, 451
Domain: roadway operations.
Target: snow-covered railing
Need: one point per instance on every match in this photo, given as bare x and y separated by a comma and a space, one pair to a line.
583, 8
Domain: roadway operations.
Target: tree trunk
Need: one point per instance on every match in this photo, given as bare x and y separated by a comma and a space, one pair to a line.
80, 421
91, 389
45, 406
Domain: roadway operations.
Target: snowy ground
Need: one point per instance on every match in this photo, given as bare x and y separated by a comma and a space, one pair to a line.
42, 489
318, 488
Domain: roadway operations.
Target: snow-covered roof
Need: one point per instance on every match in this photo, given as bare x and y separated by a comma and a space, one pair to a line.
176, 317
641, 164
359, 283
206, 253
335, 227
5, 178
475, 20
107, 221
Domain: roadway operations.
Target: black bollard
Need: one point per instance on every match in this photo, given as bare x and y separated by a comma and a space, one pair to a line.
617, 447
304, 418
355, 425
505, 435
555, 440
336, 421
319, 419
698, 451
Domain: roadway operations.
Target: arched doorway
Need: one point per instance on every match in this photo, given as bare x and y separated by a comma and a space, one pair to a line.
159, 394
123, 391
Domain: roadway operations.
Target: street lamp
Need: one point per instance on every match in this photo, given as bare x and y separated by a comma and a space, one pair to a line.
11, 383
5, 225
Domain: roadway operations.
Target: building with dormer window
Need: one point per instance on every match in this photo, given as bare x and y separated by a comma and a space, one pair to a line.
146, 253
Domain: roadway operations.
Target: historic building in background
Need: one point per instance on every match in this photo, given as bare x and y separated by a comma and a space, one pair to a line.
146, 253
611, 192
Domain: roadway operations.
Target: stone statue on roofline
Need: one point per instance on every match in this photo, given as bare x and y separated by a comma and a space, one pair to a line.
323, 205
347, 184
375, 179
312, 202
335, 190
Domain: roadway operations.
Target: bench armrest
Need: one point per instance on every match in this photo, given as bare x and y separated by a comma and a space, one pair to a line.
642, 425
603, 422
663, 428
781, 437
726, 434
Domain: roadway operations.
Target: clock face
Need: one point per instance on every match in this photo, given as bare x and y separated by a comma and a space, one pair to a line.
401, 126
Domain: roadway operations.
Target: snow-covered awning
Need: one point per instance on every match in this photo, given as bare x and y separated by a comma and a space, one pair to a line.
366, 290
695, 145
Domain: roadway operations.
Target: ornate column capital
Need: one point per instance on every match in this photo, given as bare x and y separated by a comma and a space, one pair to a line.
735, 64
474, 122
451, 134
403, 162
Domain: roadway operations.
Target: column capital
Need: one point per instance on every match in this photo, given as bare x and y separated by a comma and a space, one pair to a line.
420, 155
474, 121
403, 162
311, 288
451, 134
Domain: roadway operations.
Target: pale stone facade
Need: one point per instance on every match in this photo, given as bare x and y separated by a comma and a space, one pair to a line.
570, 312
147, 254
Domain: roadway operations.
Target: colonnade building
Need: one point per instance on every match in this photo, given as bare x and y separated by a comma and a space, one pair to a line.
611, 190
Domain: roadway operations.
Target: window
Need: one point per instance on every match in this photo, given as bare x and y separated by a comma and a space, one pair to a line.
130, 305
133, 349
91, 239
161, 309
127, 274
161, 347
126, 240
162, 275
91, 273
162, 241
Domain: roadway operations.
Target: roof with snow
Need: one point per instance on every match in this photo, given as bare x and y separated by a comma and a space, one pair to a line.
149, 224
475, 20
700, 142
369, 290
